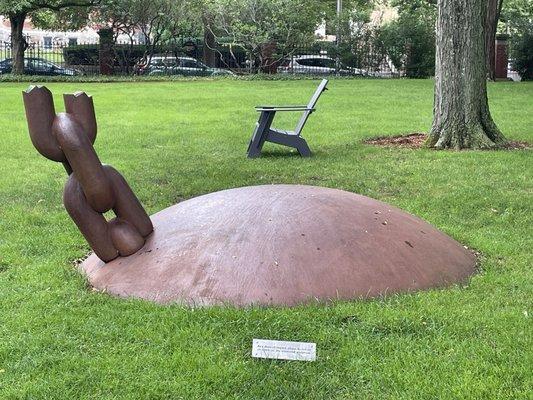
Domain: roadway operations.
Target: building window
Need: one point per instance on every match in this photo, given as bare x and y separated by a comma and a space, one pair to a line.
72, 41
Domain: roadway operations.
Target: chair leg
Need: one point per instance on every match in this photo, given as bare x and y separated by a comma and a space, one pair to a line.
260, 133
252, 146
294, 141
303, 148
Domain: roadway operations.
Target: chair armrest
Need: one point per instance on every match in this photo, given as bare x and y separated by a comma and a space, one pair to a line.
283, 108
289, 106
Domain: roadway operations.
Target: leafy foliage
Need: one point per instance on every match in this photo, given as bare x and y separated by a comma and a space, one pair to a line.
256, 24
522, 52
156, 20
410, 43
51, 14
516, 17
517, 21
422, 10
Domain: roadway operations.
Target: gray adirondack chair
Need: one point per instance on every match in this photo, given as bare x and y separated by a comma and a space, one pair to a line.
265, 133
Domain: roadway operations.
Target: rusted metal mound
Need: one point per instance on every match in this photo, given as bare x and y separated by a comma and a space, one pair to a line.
283, 245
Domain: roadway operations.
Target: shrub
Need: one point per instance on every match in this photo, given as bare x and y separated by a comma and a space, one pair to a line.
522, 53
81, 54
125, 55
410, 44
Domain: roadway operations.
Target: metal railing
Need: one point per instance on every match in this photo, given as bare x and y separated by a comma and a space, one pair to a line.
188, 57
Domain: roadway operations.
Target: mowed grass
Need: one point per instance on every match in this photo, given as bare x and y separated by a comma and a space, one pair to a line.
173, 141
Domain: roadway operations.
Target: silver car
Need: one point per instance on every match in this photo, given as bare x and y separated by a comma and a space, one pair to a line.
186, 66
317, 65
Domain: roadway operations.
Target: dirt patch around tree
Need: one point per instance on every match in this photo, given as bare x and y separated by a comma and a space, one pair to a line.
416, 140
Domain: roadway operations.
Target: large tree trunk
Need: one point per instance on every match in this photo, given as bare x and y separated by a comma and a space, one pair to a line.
18, 44
461, 116
494, 8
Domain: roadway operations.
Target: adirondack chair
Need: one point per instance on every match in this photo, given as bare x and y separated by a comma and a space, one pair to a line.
265, 133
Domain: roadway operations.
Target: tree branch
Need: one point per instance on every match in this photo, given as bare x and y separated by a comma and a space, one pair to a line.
38, 5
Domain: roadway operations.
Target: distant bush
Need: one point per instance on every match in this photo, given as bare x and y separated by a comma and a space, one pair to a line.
163, 78
522, 54
111, 78
125, 55
81, 54
88, 54
410, 44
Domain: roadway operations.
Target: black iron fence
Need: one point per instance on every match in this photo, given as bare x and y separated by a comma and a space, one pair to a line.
50, 59
191, 57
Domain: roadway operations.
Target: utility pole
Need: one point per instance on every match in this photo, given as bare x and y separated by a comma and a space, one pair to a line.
338, 36
339, 13
339, 7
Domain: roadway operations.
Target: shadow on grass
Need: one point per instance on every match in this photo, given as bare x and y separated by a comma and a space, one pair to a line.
318, 151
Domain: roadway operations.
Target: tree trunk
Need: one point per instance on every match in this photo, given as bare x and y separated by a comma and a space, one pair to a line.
461, 116
494, 8
18, 44
209, 45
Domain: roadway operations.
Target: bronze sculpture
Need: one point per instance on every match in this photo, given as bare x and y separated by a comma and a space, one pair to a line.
92, 188
256, 245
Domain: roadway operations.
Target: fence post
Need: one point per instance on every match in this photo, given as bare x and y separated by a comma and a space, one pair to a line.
105, 51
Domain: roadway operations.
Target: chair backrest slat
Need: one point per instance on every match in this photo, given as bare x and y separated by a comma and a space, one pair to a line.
311, 104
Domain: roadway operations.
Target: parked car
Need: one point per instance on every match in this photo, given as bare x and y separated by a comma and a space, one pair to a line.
38, 66
187, 66
318, 65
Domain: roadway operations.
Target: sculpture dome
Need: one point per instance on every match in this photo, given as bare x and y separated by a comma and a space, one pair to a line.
282, 245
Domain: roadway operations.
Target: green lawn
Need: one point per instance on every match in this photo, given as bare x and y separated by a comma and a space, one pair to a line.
176, 140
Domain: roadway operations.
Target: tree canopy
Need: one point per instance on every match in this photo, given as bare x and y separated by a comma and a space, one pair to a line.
41, 11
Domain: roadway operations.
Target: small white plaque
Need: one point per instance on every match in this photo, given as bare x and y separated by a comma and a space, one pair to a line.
283, 350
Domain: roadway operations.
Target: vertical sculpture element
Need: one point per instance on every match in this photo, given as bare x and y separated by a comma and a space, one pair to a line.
92, 188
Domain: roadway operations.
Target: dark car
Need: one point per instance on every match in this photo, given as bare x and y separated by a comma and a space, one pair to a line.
187, 66
37, 66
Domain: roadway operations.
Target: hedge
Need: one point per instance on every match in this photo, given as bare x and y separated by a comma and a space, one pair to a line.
522, 52
34, 79
124, 54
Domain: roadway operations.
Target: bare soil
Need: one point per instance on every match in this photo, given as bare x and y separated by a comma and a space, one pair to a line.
416, 140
